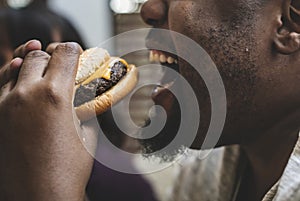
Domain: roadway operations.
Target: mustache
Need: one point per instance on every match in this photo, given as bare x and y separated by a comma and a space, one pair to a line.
160, 40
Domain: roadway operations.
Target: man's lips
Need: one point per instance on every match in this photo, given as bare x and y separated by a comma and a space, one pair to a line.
162, 50
161, 46
161, 94
168, 61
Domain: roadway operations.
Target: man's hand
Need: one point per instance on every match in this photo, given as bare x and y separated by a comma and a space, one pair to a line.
41, 149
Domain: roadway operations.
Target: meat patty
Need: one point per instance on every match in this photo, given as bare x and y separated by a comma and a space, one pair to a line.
88, 92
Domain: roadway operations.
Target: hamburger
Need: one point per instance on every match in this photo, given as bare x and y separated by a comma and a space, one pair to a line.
101, 81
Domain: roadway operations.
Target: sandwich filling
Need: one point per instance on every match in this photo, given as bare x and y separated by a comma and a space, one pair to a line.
91, 60
88, 91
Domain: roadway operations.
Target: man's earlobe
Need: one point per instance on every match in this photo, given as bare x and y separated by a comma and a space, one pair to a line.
287, 39
287, 42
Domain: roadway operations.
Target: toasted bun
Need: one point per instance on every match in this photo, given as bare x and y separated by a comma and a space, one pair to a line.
103, 102
90, 61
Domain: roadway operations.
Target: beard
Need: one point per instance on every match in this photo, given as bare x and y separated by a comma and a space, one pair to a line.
238, 63
233, 51
160, 145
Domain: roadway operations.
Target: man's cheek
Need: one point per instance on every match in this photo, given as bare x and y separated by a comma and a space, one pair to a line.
179, 16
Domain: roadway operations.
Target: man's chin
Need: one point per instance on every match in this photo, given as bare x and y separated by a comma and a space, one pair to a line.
165, 155
164, 145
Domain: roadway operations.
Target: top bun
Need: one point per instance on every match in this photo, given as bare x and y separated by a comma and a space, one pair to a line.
90, 61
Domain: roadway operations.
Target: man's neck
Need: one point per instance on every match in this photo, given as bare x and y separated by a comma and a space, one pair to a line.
268, 157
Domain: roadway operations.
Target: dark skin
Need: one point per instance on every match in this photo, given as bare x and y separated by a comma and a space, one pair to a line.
256, 49
41, 137
255, 46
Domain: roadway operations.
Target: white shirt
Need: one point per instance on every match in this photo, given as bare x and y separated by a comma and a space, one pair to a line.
216, 178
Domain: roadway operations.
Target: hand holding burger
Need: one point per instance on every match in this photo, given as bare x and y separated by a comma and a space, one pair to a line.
42, 154
41, 141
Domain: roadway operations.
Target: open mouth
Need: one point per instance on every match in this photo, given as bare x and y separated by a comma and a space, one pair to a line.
162, 57
160, 45
167, 60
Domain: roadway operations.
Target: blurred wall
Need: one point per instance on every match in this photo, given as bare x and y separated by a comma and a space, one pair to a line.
92, 18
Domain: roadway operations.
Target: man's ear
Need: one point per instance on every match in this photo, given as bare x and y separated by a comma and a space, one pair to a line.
287, 40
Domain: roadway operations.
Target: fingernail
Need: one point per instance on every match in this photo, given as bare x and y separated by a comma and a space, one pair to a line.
28, 43
33, 44
16, 63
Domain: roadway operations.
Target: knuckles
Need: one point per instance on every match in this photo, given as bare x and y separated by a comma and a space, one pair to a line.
45, 93
17, 99
69, 48
37, 54
52, 94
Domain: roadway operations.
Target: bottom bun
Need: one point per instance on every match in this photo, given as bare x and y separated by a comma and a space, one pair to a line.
103, 102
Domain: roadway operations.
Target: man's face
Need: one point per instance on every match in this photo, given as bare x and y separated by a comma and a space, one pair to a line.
237, 34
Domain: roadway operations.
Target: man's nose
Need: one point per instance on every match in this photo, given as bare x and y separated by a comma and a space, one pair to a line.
154, 13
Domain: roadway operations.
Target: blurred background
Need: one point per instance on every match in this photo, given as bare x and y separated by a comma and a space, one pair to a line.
95, 20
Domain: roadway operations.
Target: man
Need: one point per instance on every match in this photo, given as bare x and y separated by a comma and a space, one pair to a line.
255, 47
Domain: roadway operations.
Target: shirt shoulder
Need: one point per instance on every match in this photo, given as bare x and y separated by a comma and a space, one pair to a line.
213, 178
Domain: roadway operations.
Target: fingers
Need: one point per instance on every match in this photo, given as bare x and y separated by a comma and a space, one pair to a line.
63, 64
5, 89
50, 49
31, 45
16, 64
33, 67
10, 71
